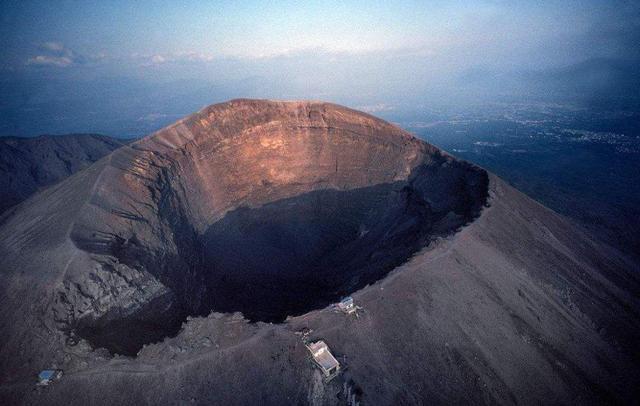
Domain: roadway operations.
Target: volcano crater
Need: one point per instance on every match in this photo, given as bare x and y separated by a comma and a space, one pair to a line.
328, 201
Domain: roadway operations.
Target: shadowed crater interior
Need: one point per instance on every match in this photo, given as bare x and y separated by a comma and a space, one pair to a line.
294, 255
305, 252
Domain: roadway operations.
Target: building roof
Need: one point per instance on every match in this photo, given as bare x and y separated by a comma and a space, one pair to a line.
323, 356
47, 374
347, 301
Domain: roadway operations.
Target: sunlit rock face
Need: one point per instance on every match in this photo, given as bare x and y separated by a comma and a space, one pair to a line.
267, 208
252, 152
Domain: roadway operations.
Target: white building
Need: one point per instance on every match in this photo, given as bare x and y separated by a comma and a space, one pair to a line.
326, 361
346, 305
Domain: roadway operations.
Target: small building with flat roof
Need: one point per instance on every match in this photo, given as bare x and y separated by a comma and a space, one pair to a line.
324, 359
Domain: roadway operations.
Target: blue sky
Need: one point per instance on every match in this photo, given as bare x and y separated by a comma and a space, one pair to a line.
202, 31
357, 52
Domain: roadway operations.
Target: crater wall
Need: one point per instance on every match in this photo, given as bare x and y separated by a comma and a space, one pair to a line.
268, 208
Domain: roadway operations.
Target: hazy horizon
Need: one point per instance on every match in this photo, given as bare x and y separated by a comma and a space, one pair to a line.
127, 69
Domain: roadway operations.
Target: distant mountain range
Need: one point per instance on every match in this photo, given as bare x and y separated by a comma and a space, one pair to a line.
28, 165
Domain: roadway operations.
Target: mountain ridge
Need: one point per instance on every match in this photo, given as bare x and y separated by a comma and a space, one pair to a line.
28, 165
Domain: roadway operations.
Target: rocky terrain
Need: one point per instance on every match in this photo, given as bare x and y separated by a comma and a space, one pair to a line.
28, 165
199, 253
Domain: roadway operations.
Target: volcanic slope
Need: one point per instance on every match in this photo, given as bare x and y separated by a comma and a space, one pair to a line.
471, 291
28, 165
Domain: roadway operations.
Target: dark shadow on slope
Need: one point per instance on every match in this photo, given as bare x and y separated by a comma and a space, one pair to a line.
302, 253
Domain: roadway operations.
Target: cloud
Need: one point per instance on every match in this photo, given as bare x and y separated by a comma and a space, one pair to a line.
196, 57
182, 57
59, 55
55, 54
158, 59
45, 60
